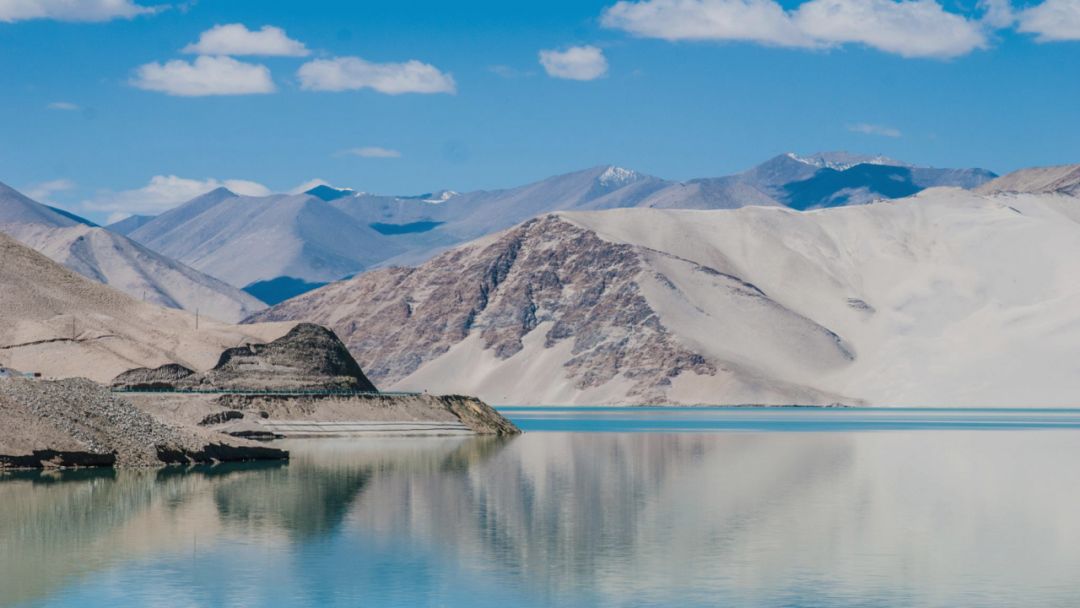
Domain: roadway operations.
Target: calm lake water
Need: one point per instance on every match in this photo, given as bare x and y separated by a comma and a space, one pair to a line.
592, 507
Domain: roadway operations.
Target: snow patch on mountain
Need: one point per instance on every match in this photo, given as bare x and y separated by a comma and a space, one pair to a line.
617, 176
840, 161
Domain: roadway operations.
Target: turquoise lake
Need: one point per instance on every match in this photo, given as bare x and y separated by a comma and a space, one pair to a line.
591, 507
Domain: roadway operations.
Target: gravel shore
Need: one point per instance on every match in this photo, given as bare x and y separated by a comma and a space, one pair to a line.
76, 422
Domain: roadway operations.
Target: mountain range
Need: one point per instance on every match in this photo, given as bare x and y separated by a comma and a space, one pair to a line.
114, 259
949, 296
279, 246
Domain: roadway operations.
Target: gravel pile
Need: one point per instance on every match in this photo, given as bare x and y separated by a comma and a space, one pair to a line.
78, 415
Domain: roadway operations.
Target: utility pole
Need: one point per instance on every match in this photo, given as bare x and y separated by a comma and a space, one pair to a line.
72, 328
196, 319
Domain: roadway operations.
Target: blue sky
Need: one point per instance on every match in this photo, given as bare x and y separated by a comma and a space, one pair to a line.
95, 118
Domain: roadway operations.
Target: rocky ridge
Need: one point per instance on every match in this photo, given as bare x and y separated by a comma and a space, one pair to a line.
548, 285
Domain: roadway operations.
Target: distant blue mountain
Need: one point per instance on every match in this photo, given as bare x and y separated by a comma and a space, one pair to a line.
280, 289
863, 183
409, 228
129, 224
329, 193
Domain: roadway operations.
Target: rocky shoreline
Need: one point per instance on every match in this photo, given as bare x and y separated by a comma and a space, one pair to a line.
175, 415
77, 423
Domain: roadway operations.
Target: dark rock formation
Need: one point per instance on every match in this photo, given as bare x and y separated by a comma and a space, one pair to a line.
221, 417
164, 377
309, 357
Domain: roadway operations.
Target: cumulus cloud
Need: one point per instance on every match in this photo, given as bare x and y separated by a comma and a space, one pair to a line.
997, 13
72, 10
43, 191
353, 73
761, 21
870, 129
236, 39
65, 106
371, 152
164, 192
575, 63
909, 28
207, 75
1051, 21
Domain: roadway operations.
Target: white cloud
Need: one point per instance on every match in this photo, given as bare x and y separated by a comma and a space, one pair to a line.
72, 10
909, 28
43, 192
1051, 21
575, 63
165, 192
66, 106
353, 73
761, 21
997, 13
236, 39
870, 129
371, 152
205, 76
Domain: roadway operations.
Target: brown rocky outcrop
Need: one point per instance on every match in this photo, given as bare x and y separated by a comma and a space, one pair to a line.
309, 357
395, 320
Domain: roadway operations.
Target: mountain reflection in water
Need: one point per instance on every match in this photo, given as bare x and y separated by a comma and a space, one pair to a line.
820, 518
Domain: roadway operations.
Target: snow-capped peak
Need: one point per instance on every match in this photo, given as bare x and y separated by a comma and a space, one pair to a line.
617, 176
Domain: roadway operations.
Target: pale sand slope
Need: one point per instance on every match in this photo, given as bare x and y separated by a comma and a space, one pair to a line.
969, 300
1063, 179
57, 322
948, 298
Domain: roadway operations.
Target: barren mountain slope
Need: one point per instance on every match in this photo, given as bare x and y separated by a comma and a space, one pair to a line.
113, 259
945, 298
57, 322
549, 313
1064, 179
244, 239
125, 265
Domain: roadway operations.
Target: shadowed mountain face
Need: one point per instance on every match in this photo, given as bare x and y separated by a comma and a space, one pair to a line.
280, 289
865, 183
858, 184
